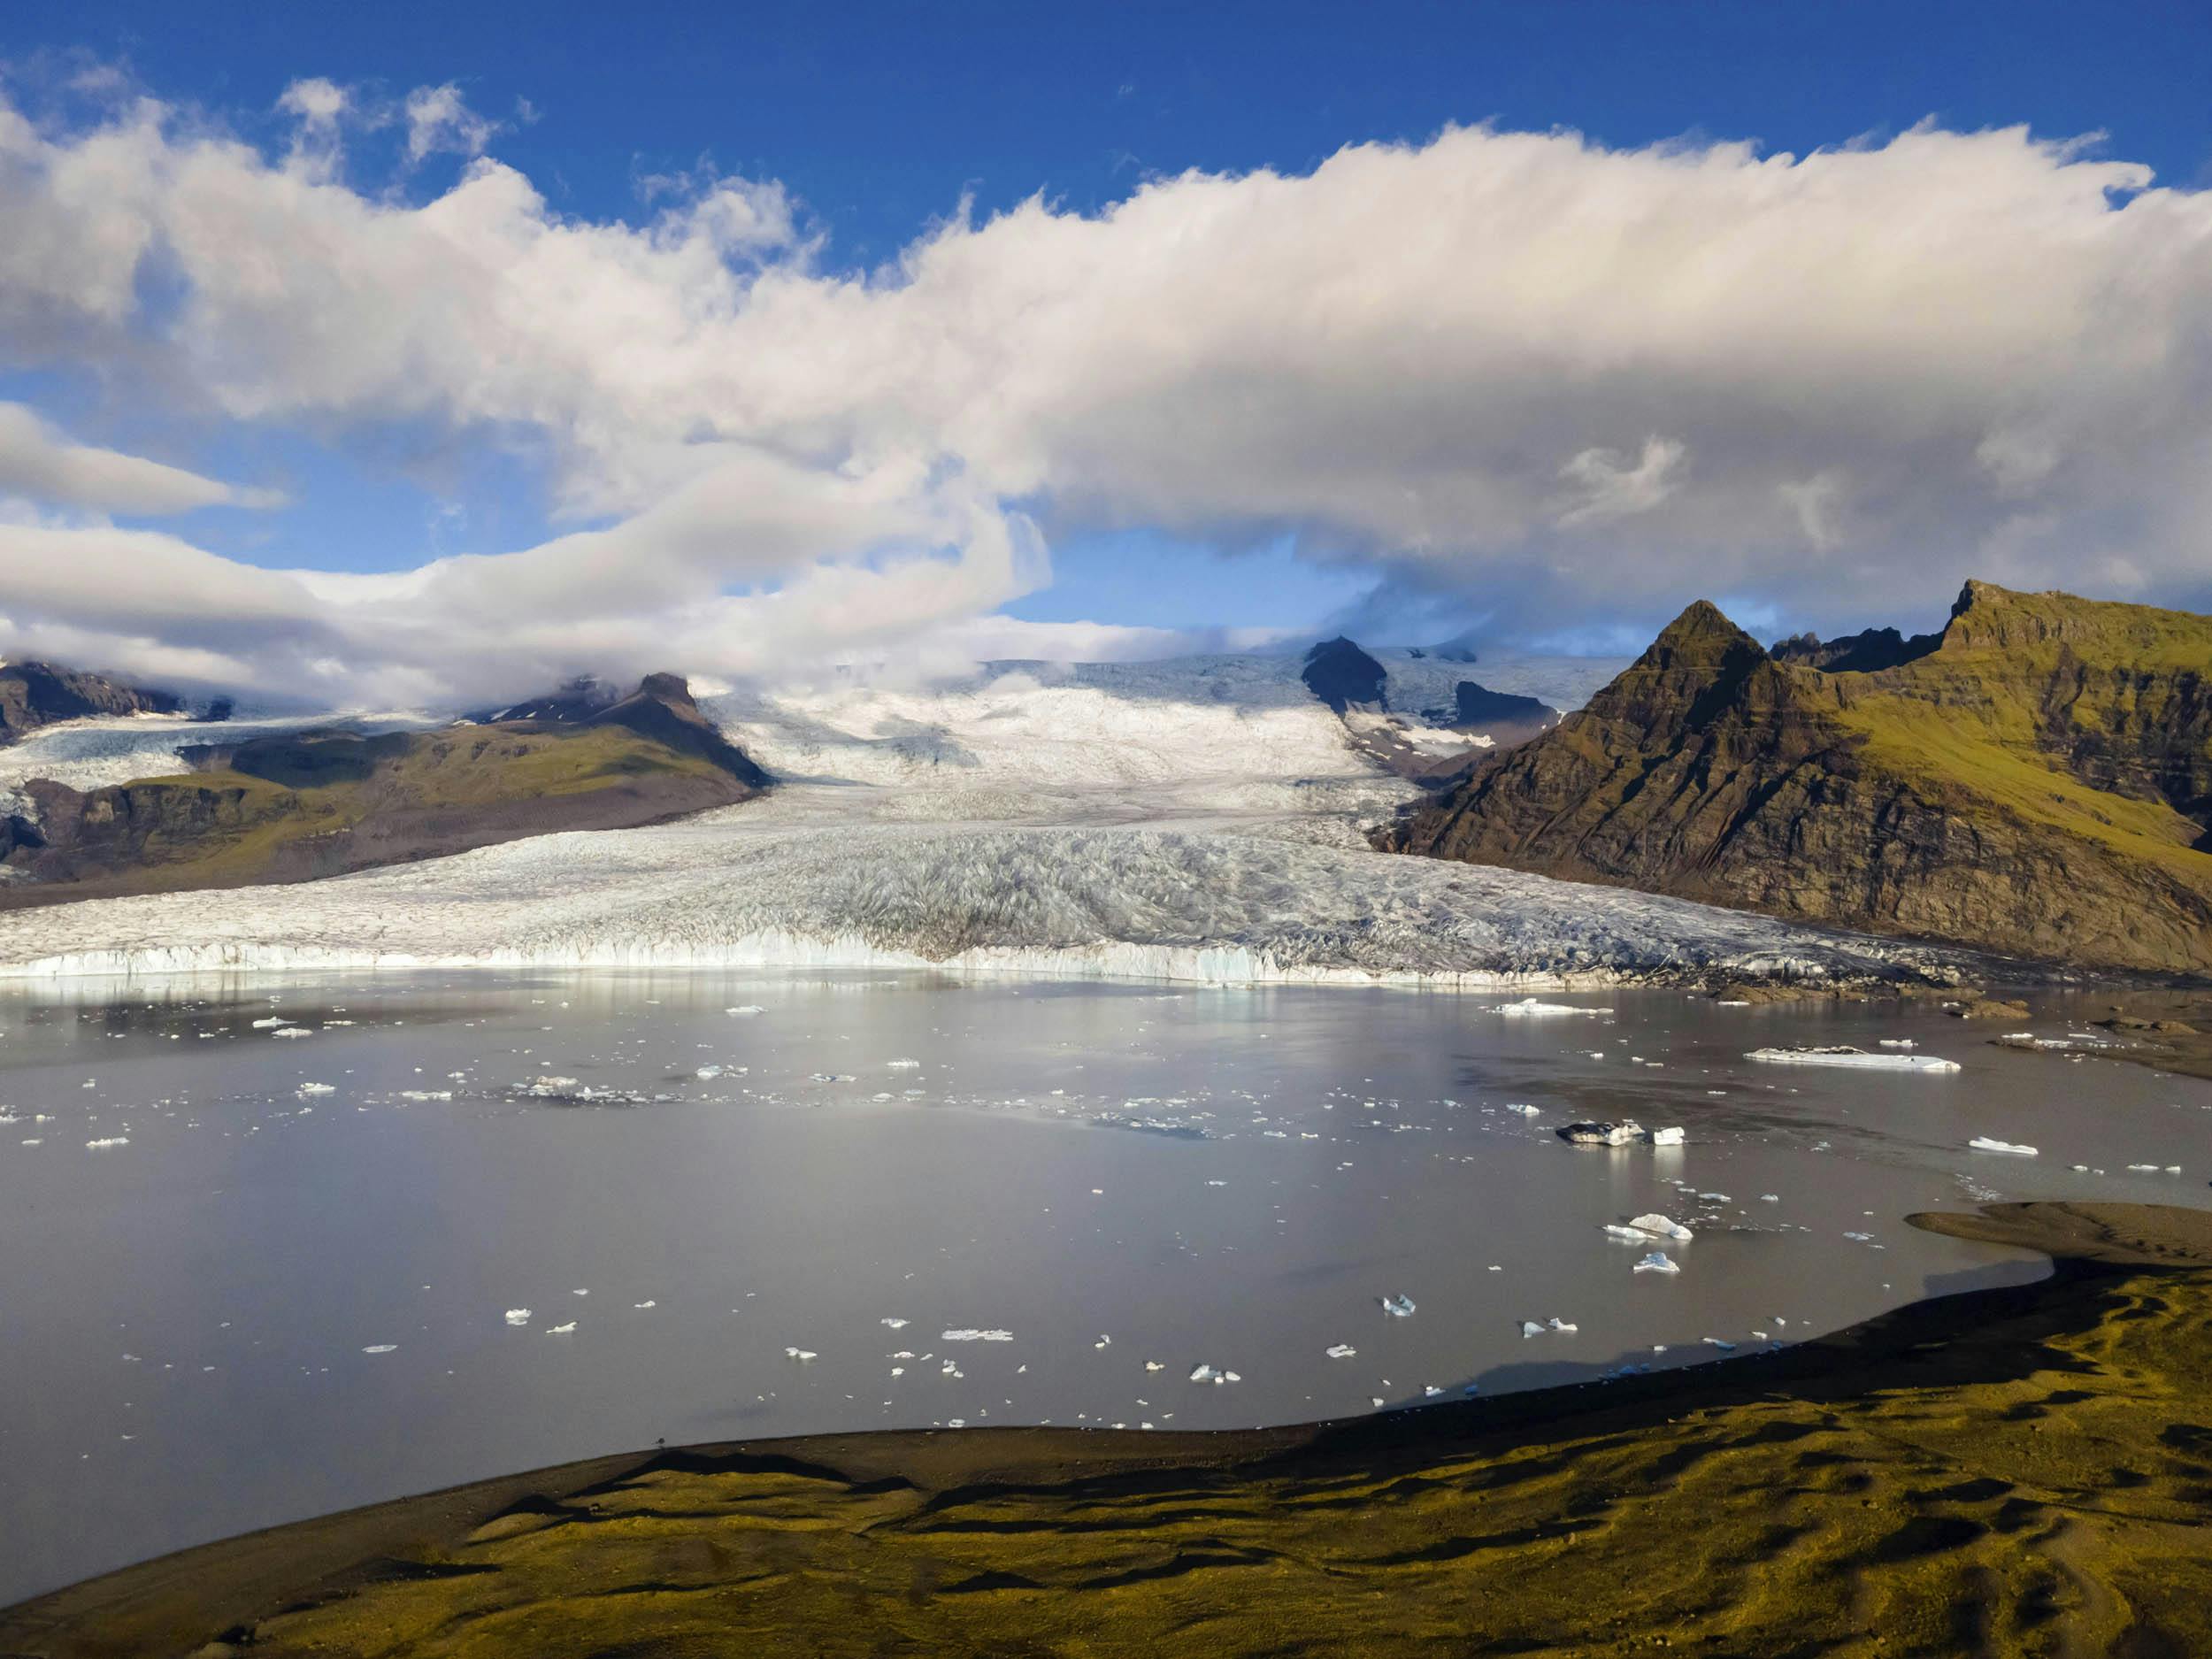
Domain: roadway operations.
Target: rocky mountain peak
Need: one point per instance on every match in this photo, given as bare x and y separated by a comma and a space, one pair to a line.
1342, 674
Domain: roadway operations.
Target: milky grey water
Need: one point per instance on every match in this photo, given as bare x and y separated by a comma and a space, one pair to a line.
287, 1289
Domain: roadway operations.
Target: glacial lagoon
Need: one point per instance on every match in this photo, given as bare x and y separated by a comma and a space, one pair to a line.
271, 1249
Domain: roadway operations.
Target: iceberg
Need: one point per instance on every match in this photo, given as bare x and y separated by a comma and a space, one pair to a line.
561, 1329
1842, 1055
108, 1140
970, 1333
1660, 1227
1341, 1350
1400, 1306
1986, 1143
518, 1315
381, 1347
1213, 1374
1666, 1137
1601, 1134
1530, 1008
1658, 1263
802, 1354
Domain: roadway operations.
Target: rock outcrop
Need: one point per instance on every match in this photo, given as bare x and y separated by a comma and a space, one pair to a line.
300, 805
2036, 784
32, 694
1342, 675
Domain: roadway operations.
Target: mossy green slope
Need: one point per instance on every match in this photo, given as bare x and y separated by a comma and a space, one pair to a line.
2017, 1473
2040, 783
321, 803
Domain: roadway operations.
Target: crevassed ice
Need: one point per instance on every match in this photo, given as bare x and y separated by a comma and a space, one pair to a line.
1151, 822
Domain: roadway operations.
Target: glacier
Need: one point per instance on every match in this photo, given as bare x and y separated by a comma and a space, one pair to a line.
1201, 820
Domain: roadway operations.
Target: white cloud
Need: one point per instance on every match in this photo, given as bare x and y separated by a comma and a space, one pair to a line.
1563, 378
1608, 487
438, 118
39, 463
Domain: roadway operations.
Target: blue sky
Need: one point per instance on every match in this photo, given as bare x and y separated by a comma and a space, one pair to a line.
881, 121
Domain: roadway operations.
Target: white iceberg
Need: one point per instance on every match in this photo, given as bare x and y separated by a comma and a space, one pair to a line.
561, 1329
1842, 1055
109, 1140
518, 1315
970, 1333
1666, 1137
802, 1354
1213, 1374
1988, 1143
1660, 1227
1566, 1327
1340, 1350
1658, 1263
381, 1347
1399, 1307
1530, 1008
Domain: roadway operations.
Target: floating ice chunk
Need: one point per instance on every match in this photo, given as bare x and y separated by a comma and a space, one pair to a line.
902, 1065
1528, 1327
1666, 1137
1429, 1391
893, 1325
1375, 1401
1658, 1263
1398, 1307
750, 1008
802, 1354
561, 1329
381, 1347
1340, 1350
1714, 1341
108, 1140
1154, 1365
1986, 1143
1626, 1235
969, 1333
1529, 1008
1601, 1134
518, 1315
306, 1089
1565, 1327
426, 1094
1845, 1056
708, 1073
1899, 1042
1660, 1227
271, 1023
829, 1077
648, 1302
292, 1030
1213, 1374
1526, 1109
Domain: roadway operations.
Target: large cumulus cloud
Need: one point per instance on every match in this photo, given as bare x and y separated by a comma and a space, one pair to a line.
1565, 380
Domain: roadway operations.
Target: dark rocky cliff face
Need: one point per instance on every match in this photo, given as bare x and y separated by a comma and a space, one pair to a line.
1342, 674
32, 694
1904, 800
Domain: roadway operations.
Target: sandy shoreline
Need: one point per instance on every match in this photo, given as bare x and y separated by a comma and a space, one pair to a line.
1002, 1537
